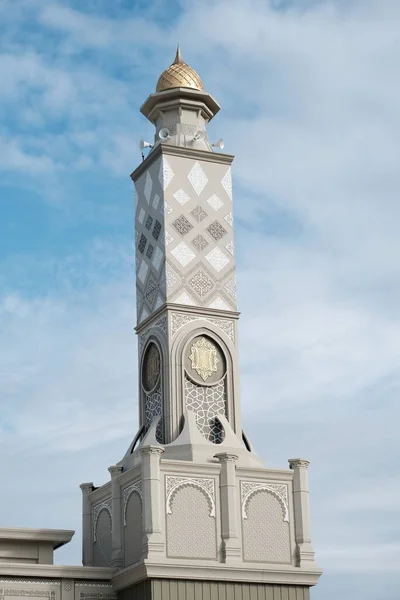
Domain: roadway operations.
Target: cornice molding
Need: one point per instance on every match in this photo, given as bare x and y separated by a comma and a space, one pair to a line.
275, 574
52, 571
182, 152
58, 537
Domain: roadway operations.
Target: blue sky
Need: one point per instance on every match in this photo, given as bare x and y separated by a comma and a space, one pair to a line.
310, 94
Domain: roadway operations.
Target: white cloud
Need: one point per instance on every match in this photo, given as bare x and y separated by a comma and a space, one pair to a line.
315, 127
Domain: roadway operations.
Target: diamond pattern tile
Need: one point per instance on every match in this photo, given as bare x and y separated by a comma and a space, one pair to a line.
149, 251
199, 243
166, 174
183, 254
148, 186
227, 183
142, 243
182, 225
144, 315
167, 208
219, 304
197, 178
230, 287
144, 267
230, 247
158, 257
198, 214
201, 283
217, 259
216, 231
185, 298
181, 196
149, 222
151, 291
215, 202
172, 278
156, 230
168, 238
229, 219
158, 303
141, 215
156, 201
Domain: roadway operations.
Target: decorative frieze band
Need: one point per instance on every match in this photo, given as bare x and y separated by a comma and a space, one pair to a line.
93, 583
106, 504
35, 593
27, 580
97, 596
173, 484
134, 487
280, 491
178, 320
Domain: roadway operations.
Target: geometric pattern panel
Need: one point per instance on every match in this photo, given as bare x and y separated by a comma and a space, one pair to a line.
191, 534
266, 536
133, 531
179, 198
207, 402
153, 407
151, 238
102, 547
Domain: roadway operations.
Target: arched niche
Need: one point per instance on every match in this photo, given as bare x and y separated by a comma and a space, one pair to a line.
152, 384
217, 387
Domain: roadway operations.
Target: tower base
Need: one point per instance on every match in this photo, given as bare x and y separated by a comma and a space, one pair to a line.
181, 589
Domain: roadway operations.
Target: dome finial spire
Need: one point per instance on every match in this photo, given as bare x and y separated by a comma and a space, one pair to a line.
178, 56
179, 74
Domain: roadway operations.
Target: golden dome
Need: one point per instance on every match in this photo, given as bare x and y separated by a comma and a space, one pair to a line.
179, 74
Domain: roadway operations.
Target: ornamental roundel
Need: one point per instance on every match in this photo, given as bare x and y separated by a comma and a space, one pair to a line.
151, 368
205, 361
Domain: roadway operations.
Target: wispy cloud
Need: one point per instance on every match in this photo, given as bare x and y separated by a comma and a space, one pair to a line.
310, 96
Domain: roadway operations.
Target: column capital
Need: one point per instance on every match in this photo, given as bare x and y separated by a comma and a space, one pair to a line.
157, 450
224, 457
298, 463
114, 471
87, 487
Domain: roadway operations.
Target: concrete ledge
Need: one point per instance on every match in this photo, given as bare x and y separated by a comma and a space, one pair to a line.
52, 571
58, 537
274, 574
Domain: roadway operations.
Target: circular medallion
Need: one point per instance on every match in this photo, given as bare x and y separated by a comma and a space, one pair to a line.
151, 368
205, 361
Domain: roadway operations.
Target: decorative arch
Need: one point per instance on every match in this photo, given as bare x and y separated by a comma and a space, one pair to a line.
134, 488
249, 488
105, 505
153, 401
174, 484
180, 347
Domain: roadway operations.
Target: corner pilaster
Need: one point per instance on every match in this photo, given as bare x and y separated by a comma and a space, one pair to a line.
305, 551
153, 538
229, 513
87, 541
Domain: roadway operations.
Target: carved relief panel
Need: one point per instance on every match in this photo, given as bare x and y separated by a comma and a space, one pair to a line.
205, 386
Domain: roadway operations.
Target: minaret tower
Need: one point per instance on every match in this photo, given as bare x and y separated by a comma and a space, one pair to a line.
190, 510
185, 270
